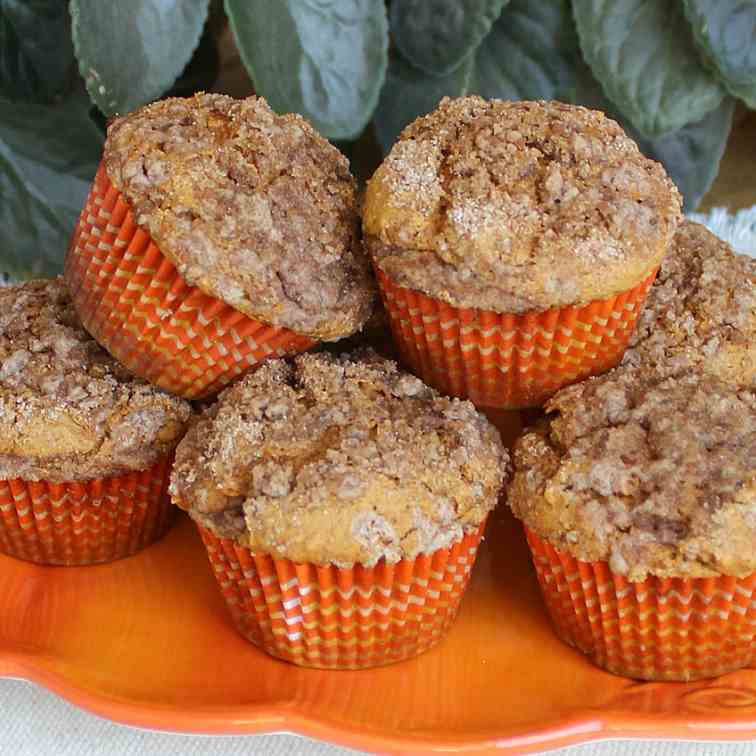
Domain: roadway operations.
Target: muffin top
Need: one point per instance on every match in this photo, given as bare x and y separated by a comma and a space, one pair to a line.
68, 410
518, 206
700, 312
652, 466
254, 208
341, 460
658, 477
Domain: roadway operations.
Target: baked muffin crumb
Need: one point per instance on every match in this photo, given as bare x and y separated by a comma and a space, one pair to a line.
518, 206
339, 459
68, 410
254, 208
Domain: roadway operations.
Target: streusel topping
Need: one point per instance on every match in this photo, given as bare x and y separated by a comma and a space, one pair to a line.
252, 207
339, 460
516, 206
656, 477
700, 312
68, 410
652, 466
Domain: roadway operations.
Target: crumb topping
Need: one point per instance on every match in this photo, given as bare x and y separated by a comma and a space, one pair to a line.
68, 410
652, 466
252, 207
700, 312
339, 459
514, 206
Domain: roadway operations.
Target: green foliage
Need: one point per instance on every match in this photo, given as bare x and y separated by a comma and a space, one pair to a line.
527, 55
48, 156
726, 32
668, 70
36, 54
131, 52
436, 35
325, 59
643, 54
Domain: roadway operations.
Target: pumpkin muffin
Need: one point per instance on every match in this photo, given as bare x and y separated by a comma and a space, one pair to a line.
85, 447
217, 234
336, 483
700, 312
514, 243
638, 489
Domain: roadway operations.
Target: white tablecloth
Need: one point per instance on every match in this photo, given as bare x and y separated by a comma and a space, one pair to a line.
33, 722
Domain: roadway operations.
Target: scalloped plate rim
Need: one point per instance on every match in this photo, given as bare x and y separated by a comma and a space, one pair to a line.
588, 726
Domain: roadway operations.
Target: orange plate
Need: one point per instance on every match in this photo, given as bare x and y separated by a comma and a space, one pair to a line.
146, 641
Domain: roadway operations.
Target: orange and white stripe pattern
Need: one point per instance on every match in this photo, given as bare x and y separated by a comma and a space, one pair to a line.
134, 303
657, 629
506, 360
342, 618
84, 522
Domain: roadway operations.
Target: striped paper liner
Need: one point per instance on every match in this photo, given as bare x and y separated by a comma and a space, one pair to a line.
658, 629
337, 617
85, 522
506, 360
134, 302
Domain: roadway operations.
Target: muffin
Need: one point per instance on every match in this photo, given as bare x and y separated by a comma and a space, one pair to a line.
341, 502
85, 448
638, 489
217, 234
514, 243
700, 312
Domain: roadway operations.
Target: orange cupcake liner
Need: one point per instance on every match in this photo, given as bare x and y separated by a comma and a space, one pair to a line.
658, 629
506, 360
337, 617
85, 522
133, 301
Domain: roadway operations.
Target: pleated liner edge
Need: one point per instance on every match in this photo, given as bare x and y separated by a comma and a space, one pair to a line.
658, 629
134, 302
85, 522
342, 618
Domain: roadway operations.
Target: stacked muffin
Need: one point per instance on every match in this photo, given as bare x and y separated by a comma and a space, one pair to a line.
638, 489
216, 235
341, 500
514, 243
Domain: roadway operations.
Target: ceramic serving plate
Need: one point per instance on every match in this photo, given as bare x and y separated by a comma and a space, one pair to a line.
146, 641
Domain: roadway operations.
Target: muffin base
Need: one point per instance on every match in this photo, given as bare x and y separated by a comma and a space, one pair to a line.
342, 618
658, 629
134, 302
506, 360
85, 522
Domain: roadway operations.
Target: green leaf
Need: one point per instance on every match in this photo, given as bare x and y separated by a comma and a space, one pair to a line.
410, 93
691, 155
131, 52
36, 54
642, 52
726, 31
325, 59
437, 35
529, 54
48, 156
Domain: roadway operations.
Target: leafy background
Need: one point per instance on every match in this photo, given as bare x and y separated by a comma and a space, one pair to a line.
671, 71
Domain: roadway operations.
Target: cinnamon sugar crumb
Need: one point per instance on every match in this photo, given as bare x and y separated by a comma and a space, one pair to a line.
339, 460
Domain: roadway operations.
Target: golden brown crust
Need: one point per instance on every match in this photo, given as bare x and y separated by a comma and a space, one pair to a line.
656, 478
339, 459
517, 206
701, 311
253, 208
652, 466
69, 411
